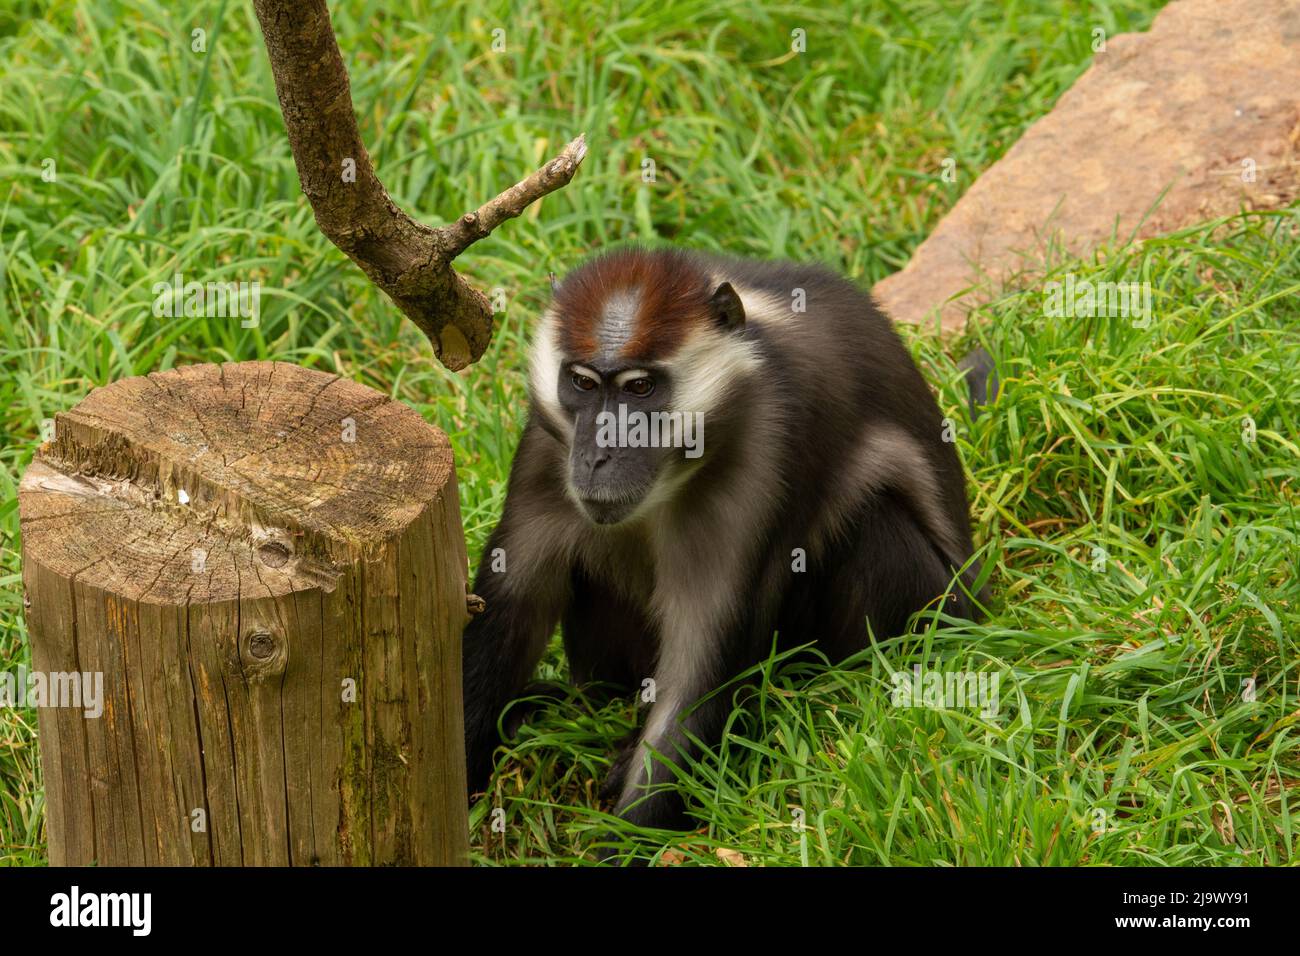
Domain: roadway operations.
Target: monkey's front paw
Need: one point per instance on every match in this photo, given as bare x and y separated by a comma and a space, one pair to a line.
611, 788
605, 850
611, 850
662, 810
535, 696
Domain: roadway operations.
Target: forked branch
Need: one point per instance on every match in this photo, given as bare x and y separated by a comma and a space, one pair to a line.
408, 260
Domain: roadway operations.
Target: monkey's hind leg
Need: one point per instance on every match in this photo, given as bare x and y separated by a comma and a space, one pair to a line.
500, 649
884, 570
607, 638
528, 701
611, 647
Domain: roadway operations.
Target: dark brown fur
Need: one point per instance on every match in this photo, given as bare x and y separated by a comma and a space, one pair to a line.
673, 295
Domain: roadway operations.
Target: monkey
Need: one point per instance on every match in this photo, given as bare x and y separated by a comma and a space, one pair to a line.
803, 493
982, 381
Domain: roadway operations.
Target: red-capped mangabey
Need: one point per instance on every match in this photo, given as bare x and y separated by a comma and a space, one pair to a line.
811, 493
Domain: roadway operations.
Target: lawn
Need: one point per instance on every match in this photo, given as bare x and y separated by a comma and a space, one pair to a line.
1134, 489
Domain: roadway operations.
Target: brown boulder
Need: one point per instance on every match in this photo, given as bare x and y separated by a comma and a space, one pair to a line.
1208, 96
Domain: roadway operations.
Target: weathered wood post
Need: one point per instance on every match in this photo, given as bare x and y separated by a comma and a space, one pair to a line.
266, 565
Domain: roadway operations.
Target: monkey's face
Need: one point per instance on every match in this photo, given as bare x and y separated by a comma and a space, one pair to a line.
623, 435
635, 352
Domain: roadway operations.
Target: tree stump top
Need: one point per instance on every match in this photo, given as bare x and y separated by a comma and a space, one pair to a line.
207, 482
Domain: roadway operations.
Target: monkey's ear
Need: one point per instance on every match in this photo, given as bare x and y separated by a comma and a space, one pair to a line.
728, 311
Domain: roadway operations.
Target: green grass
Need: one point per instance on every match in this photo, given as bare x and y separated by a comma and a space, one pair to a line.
1121, 688
1123, 736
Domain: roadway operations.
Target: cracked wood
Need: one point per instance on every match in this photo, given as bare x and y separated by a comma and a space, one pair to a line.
266, 564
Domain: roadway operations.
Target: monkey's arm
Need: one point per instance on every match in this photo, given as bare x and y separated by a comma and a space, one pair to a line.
696, 710
710, 635
523, 577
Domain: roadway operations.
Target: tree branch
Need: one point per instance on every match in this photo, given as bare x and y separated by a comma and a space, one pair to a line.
408, 260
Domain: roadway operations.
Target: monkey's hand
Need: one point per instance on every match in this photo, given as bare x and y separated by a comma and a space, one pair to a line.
616, 778
498, 656
662, 810
503, 643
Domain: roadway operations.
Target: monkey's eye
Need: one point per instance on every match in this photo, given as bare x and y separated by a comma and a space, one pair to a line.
583, 383
640, 387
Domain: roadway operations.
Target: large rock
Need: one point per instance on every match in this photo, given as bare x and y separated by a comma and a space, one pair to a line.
1213, 86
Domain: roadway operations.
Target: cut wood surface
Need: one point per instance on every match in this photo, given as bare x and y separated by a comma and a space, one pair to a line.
266, 564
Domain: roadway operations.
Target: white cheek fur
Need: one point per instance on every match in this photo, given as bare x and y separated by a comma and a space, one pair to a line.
706, 366
544, 373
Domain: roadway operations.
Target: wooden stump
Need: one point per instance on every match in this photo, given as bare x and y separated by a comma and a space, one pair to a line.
266, 565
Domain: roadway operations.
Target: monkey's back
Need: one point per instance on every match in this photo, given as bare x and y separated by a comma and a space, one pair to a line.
841, 369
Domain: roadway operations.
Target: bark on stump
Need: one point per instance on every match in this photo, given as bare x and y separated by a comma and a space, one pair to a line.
266, 564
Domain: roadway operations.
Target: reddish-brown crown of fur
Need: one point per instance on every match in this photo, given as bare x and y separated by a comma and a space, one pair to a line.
673, 295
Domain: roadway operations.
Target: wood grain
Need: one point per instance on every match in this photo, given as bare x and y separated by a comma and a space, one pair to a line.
408, 260
234, 547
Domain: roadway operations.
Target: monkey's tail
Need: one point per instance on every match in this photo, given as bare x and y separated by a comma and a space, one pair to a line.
981, 378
